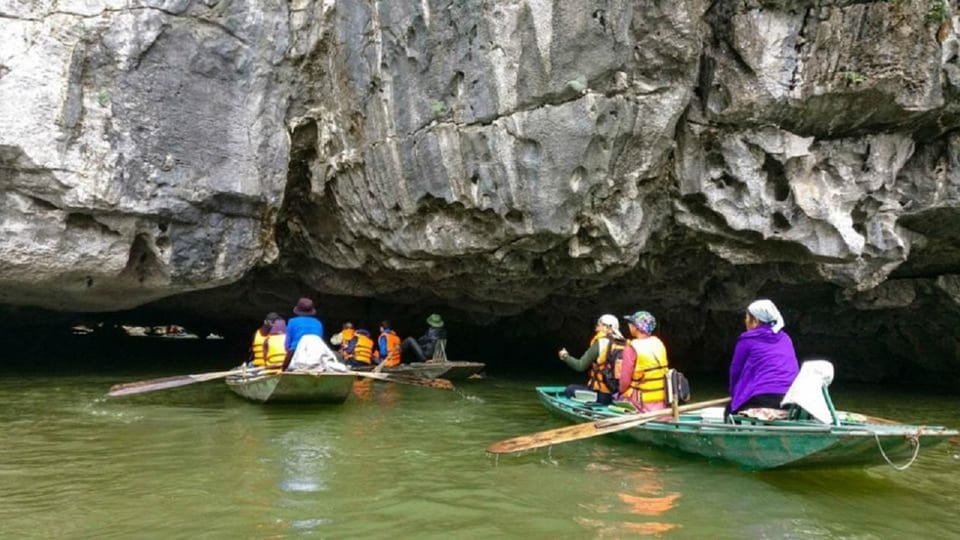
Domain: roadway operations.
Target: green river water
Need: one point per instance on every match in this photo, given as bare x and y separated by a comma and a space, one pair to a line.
407, 462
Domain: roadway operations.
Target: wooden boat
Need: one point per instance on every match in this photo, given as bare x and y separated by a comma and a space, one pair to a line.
438, 367
454, 371
756, 444
292, 386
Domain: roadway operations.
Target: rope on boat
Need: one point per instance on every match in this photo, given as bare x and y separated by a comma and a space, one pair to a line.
913, 439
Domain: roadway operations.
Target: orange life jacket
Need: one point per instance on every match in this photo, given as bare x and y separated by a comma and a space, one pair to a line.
346, 335
393, 348
603, 372
362, 349
276, 353
649, 380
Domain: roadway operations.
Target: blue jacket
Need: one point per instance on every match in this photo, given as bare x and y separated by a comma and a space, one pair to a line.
300, 326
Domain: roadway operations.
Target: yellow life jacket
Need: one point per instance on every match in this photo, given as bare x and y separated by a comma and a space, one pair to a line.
649, 380
362, 349
603, 372
276, 353
393, 348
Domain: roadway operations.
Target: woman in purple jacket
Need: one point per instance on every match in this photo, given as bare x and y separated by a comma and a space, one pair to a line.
764, 363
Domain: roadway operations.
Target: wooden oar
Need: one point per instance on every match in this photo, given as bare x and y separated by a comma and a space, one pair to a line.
441, 384
590, 429
140, 387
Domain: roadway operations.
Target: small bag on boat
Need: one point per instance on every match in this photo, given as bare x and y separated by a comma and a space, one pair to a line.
677, 385
312, 354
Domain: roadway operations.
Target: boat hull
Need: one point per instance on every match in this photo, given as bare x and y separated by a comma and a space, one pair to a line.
293, 387
759, 444
453, 371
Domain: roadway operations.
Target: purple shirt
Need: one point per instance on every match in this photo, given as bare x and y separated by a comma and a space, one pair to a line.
763, 363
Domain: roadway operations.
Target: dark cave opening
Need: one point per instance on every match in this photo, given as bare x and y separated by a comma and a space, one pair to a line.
886, 347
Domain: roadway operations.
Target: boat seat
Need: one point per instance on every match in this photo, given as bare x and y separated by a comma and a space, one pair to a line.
440, 351
808, 396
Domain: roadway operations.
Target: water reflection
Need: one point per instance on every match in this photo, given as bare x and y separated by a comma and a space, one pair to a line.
406, 462
639, 496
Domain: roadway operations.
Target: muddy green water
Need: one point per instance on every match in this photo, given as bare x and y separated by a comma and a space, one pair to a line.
407, 462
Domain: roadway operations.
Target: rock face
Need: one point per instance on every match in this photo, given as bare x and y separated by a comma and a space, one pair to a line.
142, 147
545, 158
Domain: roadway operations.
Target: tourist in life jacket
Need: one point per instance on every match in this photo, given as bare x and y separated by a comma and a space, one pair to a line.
359, 350
388, 346
764, 362
267, 349
422, 347
304, 322
603, 355
342, 338
643, 373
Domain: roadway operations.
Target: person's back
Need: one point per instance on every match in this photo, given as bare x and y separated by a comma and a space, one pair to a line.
647, 381
302, 326
388, 346
764, 362
305, 323
268, 347
643, 377
600, 360
359, 351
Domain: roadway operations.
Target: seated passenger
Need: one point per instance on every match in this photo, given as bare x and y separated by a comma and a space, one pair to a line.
342, 338
764, 362
388, 346
358, 352
601, 358
267, 349
304, 323
421, 349
643, 373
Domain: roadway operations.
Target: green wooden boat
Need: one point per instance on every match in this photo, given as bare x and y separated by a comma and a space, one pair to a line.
292, 386
755, 444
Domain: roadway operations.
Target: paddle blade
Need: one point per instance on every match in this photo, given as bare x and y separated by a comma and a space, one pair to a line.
586, 430
556, 436
151, 385
440, 384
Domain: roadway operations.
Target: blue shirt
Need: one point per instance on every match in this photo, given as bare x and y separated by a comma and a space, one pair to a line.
300, 326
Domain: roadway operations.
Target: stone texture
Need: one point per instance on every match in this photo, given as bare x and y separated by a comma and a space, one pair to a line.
142, 150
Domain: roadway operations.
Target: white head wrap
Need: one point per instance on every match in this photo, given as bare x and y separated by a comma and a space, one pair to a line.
766, 312
612, 322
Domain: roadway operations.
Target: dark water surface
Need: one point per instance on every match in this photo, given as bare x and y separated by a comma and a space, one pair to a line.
408, 462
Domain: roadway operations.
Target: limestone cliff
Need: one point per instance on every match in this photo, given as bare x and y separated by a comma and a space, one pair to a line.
497, 156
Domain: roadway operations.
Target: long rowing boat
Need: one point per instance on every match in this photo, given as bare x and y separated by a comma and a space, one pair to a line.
757, 444
450, 370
